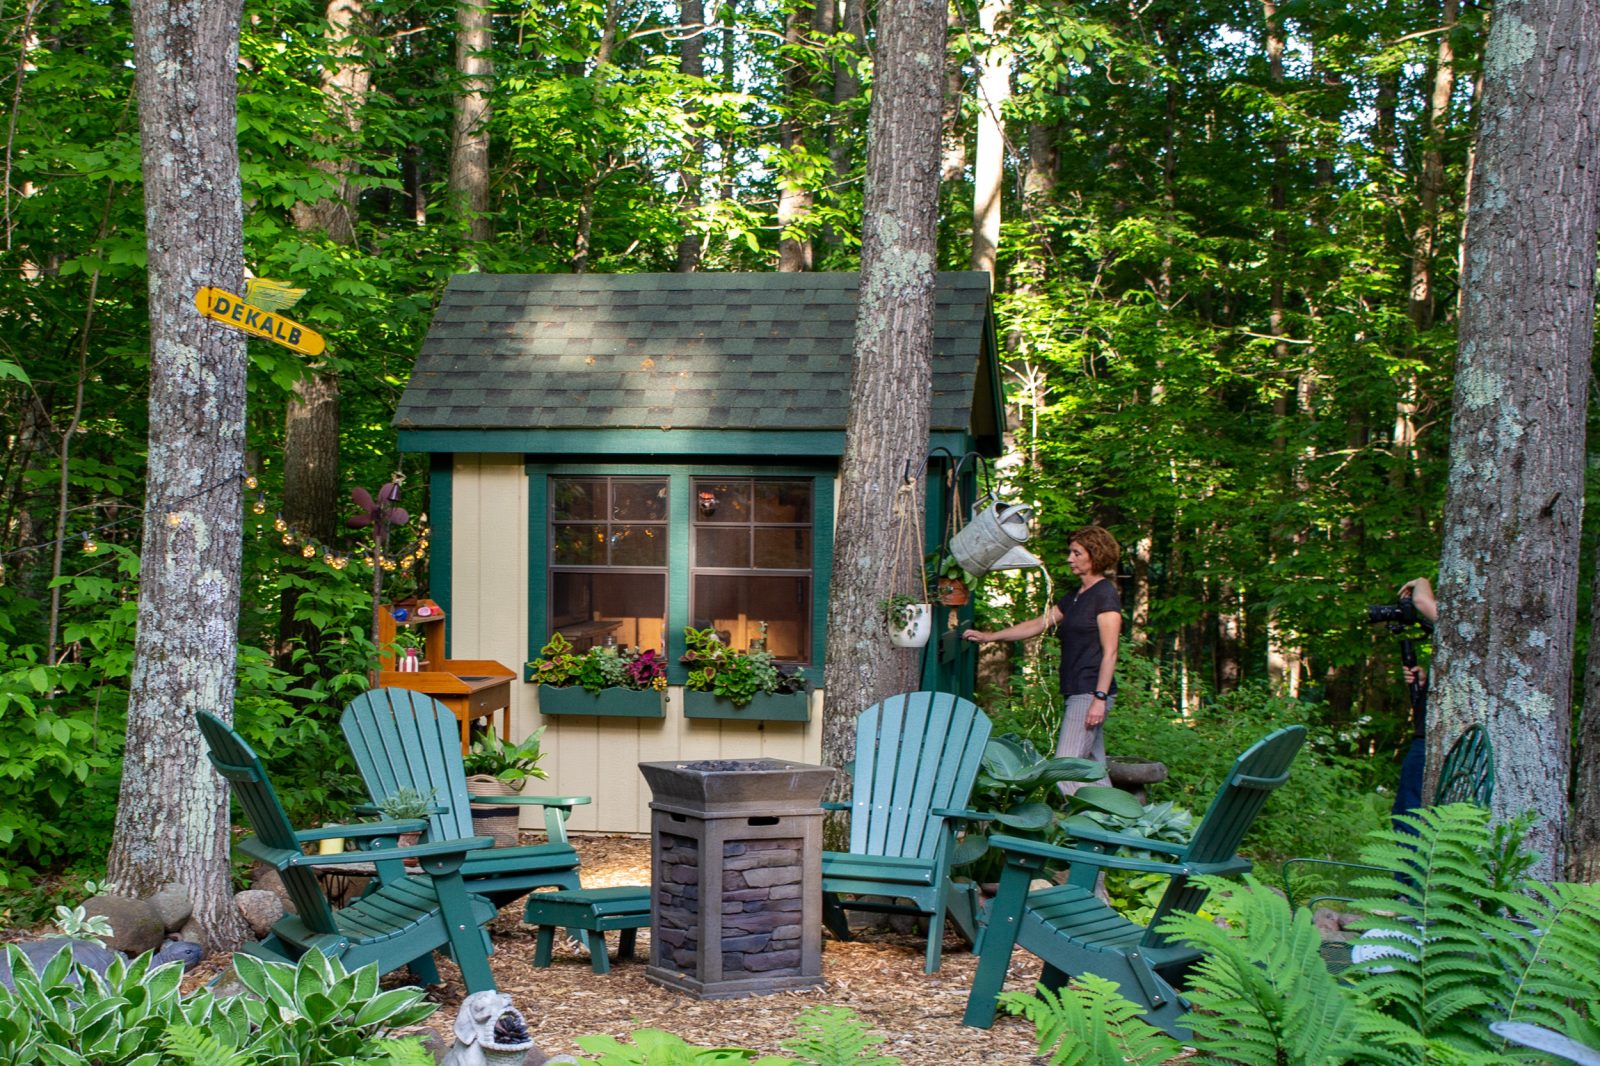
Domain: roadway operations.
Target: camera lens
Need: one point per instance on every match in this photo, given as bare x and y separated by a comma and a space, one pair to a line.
1379, 613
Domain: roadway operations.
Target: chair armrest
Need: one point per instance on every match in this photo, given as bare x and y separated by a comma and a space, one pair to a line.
1041, 850
438, 849
538, 801
372, 810
1097, 835
832, 805
362, 830
961, 813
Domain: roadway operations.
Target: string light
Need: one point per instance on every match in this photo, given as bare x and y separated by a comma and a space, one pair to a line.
174, 519
260, 506
90, 545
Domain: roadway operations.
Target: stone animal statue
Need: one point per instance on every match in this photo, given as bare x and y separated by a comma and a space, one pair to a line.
488, 1029
92, 954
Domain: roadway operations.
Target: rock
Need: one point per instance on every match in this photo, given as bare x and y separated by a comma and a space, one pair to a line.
135, 927
1326, 919
266, 878
1126, 771
185, 951
40, 952
261, 910
191, 934
173, 905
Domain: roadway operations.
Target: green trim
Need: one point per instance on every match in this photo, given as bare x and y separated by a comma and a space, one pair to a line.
677, 572
441, 523
723, 443
538, 571
822, 570
610, 703
763, 707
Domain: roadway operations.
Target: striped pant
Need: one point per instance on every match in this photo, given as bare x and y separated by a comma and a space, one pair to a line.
1078, 741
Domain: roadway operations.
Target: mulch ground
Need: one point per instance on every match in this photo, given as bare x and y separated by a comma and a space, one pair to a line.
878, 975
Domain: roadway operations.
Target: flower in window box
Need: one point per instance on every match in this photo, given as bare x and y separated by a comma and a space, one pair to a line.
599, 668
737, 676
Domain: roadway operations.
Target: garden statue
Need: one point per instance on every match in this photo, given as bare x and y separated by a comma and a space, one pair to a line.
490, 1031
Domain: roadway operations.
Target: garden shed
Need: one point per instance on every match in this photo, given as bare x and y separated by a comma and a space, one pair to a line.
616, 457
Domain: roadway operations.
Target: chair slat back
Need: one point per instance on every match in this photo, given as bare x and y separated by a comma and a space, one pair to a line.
914, 752
1467, 775
1256, 774
404, 739
242, 768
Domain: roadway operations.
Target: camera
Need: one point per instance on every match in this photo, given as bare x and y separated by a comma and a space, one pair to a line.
1401, 613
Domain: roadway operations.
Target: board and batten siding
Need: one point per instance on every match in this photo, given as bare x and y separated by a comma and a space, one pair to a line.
585, 756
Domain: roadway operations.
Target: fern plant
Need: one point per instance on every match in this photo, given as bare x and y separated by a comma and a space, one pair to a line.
1088, 1023
835, 1036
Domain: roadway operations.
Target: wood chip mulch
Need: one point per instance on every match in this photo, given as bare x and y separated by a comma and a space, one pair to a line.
878, 975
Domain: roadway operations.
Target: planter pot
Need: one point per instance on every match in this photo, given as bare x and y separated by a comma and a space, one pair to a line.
765, 707
953, 591
918, 627
611, 702
505, 1054
497, 822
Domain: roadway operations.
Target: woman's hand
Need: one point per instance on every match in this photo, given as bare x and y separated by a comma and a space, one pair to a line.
977, 636
1097, 713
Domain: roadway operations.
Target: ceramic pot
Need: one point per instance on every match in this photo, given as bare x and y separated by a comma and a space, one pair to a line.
916, 631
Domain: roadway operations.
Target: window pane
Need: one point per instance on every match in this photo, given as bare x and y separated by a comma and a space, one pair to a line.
587, 607
638, 545
736, 605
722, 548
639, 501
783, 501
722, 501
782, 549
578, 545
575, 497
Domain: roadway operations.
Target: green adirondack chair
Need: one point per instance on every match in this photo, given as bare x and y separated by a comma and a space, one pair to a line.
1467, 776
405, 739
917, 758
1075, 933
403, 921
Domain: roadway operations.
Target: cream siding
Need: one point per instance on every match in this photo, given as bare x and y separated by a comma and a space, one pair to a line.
596, 757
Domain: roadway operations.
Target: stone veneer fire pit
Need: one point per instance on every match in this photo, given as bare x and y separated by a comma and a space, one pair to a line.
736, 872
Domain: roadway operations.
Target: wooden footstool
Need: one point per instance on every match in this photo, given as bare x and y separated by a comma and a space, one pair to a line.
594, 910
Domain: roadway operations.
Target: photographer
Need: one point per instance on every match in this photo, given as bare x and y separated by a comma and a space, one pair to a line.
1418, 594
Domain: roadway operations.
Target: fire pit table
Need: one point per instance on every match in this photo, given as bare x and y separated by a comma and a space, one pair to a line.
736, 872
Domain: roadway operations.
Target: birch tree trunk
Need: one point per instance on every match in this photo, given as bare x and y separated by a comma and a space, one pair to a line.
795, 195
1514, 503
892, 377
988, 171
172, 813
469, 148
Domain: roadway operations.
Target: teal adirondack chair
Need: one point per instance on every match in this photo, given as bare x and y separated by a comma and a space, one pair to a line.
403, 921
405, 739
1075, 933
917, 758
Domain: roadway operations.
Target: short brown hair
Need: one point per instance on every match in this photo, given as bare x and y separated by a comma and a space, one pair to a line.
1103, 549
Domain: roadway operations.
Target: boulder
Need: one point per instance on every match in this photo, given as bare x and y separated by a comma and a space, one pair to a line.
135, 926
190, 933
261, 910
173, 905
266, 878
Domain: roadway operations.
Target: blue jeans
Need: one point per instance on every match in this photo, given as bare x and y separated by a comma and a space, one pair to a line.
1408, 796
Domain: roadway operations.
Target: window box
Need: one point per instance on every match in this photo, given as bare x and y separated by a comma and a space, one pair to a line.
765, 707
607, 703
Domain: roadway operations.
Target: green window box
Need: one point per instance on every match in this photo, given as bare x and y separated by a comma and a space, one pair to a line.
765, 707
608, 703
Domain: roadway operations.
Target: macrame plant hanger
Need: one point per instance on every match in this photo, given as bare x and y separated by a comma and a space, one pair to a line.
908, 550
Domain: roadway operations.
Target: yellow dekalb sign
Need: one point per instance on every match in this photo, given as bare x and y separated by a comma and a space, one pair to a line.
231, 310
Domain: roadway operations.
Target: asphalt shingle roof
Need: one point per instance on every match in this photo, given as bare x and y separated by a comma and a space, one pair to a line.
766, 351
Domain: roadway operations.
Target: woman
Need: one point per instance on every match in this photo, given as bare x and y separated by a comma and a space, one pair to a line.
1089, 622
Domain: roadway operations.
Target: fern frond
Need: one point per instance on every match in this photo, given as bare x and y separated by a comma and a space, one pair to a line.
189, 1044
835, 1036
1553, 980
1090, 1023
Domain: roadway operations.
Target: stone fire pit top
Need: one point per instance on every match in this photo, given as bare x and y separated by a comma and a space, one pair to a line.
736, 786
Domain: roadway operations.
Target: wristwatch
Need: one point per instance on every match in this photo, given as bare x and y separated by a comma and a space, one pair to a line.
1100, 695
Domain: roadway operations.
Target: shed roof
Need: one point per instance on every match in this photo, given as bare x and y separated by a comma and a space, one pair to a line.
767, 352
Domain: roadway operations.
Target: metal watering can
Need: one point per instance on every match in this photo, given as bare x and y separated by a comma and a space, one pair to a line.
993, 539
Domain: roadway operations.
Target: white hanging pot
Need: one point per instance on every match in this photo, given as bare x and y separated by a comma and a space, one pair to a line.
985, 541
917, 630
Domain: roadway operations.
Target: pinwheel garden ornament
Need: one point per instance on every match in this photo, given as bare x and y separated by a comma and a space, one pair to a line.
382, 514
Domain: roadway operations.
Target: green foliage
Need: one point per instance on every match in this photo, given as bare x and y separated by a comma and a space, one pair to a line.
511, 763
406, 803
75, 923
835, 1036
1456, 937
737, 676
1087, 1023
599, 668
312, 1012
655, 1047
897, 609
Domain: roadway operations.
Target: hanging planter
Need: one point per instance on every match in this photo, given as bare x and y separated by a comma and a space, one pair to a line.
909, 622
953, 592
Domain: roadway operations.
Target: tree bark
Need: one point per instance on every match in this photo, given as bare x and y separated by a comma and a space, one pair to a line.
469, 148
891, 380
1514, 502
346, 83
795, 197
172, 813
691, 64
994, 90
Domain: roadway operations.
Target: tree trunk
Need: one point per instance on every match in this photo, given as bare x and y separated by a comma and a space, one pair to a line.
953, 135
691, 64
469, 148
310, 486
994, 90
1514, 502
346, 84
172, 813
795, 197
1583, 835
892, 375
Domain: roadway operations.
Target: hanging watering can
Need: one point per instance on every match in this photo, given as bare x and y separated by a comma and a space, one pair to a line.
993, 539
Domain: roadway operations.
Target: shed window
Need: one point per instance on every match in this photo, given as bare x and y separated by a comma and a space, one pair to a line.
608, 560
750, 563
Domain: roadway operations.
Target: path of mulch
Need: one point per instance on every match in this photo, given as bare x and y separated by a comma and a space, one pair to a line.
879, 976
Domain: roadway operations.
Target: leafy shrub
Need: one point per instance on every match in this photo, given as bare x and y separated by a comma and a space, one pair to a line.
1466, 939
